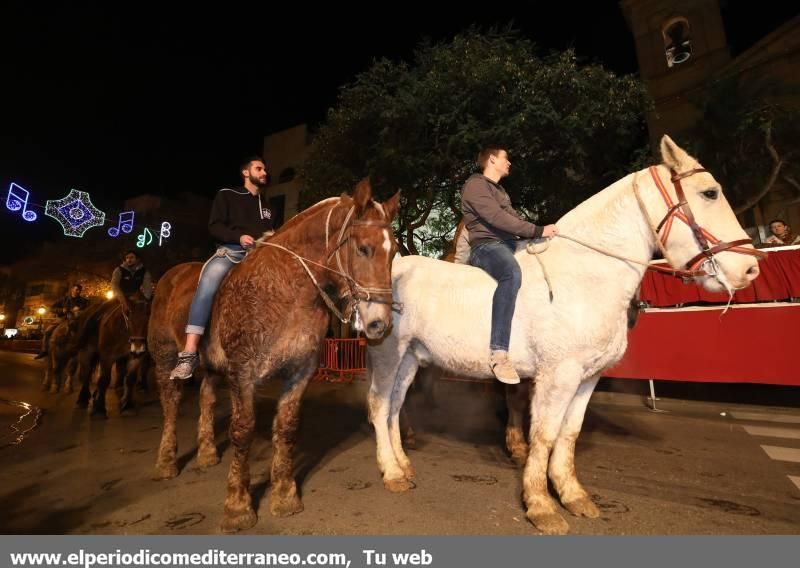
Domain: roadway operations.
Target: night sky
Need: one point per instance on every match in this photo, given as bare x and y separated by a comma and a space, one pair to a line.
134, 101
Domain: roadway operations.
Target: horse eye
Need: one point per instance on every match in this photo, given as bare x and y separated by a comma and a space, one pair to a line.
710, 194
363, 251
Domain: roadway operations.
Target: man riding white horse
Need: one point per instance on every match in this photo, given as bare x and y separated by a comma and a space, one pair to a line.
494, 228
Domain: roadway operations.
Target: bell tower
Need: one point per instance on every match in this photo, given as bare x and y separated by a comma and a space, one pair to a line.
680, 44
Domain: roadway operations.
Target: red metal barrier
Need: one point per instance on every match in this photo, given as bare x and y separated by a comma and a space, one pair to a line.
752, 343
340, 360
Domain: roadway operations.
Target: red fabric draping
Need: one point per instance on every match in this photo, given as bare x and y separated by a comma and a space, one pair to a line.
748, 344
779, 280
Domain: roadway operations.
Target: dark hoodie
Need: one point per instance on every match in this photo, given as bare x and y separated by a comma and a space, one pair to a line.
488, 214
237, 212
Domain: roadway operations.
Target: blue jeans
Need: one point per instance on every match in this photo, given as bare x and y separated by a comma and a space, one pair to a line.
497, 258
214, 271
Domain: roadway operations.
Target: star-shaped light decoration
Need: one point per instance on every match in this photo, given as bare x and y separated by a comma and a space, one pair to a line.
75, 212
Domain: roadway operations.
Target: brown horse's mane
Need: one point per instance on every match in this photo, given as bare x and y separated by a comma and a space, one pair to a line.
89, 322
301, 217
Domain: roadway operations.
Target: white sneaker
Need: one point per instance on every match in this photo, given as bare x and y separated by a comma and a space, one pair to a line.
502, 368
187, 363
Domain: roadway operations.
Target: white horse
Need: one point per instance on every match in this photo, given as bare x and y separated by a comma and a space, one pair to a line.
566, 343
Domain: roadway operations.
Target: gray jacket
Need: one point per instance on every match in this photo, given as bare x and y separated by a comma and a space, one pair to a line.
488, 214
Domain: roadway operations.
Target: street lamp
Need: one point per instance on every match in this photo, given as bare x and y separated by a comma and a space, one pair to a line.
41, 312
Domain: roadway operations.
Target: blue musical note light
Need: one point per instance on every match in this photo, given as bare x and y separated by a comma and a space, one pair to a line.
18, 199
125, 224
75, 213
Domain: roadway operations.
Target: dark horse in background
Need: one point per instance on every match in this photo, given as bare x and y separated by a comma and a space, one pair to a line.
109, 338
60, 357
268, 320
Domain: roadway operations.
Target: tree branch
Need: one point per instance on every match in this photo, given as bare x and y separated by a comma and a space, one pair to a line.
772, 177
424, 217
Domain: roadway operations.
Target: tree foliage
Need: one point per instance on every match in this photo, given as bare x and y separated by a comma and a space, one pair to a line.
570, 128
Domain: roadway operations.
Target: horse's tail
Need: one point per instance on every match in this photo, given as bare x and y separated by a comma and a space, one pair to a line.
458, 250
164, 305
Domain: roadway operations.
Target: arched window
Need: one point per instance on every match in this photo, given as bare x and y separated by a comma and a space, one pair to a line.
677, 41
286, 176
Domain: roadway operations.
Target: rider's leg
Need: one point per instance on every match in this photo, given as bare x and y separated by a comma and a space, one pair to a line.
211, 277
498, 260
45, 341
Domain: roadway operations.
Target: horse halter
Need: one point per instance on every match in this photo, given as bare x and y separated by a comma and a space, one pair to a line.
127, 320
709, 244
356, 292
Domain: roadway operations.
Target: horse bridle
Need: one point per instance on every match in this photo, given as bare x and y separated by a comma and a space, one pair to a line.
126, 319
709, 244
356, 292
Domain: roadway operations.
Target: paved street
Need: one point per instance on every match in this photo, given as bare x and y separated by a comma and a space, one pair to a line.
687, 471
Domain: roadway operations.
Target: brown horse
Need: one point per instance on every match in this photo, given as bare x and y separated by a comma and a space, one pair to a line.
268, 320
107, 338
60, 357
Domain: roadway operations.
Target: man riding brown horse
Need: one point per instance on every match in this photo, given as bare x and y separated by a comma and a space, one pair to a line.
268, 321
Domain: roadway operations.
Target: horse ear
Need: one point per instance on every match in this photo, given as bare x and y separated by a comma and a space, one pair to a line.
362, 195
674, 156
392, 205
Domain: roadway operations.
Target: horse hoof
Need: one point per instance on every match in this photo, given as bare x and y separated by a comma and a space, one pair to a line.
207, 458
166, 471
82, 403
583, 507
408, 471
234, 522
96, 412
128, 410
398, 485
520, 457
53, 389
410, 443
549, 523
285, 507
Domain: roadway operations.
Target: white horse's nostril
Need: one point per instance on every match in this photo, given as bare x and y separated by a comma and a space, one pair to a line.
753, 272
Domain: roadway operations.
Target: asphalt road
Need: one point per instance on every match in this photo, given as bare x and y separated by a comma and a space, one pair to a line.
691, 470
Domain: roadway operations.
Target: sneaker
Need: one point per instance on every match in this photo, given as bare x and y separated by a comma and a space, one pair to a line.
187, 363
502, 368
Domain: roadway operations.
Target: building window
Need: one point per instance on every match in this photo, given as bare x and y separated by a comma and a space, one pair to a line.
286, 176
677, 41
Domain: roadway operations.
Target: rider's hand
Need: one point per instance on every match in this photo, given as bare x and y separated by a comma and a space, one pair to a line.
246, 241
550, 231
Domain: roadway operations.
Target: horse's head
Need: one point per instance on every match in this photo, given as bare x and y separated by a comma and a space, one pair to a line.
698, 229
369, 250
71, 316
136, 321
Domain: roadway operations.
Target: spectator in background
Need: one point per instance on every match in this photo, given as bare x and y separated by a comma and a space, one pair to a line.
782, 234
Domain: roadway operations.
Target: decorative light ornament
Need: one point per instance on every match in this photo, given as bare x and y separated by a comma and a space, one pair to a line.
144, 239
75, 213
164, 233
18, 199
124, 224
